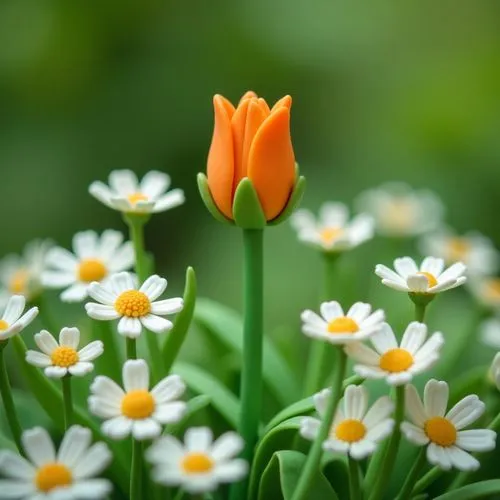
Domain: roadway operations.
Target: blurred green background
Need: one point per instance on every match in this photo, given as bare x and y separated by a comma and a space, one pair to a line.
382, 91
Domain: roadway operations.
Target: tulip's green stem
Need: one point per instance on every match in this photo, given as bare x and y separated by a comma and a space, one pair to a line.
411, 478
311, 467
131, 348
320, 359
136, 471
251, 372
136, 226
109, 362
354, 485
68, 401
384, 472
8, 401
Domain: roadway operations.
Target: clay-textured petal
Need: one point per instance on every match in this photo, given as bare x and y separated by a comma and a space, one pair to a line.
247, 95
284, 101
255, 118
271, 164
238, 124
228, 105
220, 163
263, 104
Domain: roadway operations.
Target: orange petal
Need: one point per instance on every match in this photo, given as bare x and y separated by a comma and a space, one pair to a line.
271, 163
263, 105
247, 95
220, 163
255, 118
228, 105
284, 101
238, 124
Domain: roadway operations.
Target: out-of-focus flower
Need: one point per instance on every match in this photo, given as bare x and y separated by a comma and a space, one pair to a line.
494, 372
68, 474
21, 275
447, 444
355, 430
486, 290
95, 259
119, 298
476, 251
429, 278
136, 410
332, 231
490, 332
13, 320
338, 328
400, 211
62, 358
126, 194
199, 464
397, 364
252, 141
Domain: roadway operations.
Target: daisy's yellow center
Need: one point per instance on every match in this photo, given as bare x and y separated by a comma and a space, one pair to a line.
492, 289
135, 197
91, 270
440, 431
400, 214
52, 476
64, 357
431, 279
343, 324
133, 304
3, 325
138, 404
19, 281
350, 430
396, 360
330, 234
457, 249
197, 463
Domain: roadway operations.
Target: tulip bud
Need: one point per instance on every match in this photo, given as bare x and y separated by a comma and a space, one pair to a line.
252, 175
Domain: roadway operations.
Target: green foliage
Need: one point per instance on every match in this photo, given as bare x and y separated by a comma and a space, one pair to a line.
483, 489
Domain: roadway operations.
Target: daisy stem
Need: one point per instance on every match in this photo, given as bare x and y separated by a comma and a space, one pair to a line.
136, 226
384, 472
420, 312
8, 401
411, 478
354, 484
431, 476
68, 401
311, 466
321, 354
136, 471
251, 371
131, 348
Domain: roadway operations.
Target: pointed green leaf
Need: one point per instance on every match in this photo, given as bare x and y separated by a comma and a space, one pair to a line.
335, 470
176, 336
303, 407
483, 489
206, 196
247, 210
293, 202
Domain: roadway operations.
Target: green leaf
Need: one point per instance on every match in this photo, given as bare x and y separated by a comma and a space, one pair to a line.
303, 407
202, 382
280, 478
194, 405
337, 473
6, 443
483, 489
206, 196
227, 326
293, 202
247, 210
176, 336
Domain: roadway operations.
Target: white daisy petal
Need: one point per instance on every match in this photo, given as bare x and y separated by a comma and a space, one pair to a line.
101, 192
92, 488
154, 184
309, 428
153, 287
227, 446
107, 389
130, 327
359, 311
91, 351
101, 312
170, 200
38, 446
466, 411
117, 428
61, 259
123, 182
14, 309
355, 402
462, 460
362, 353
69, 337
432, 265
331, 310
384, 339
101, 294
135, 375
418, 283
57, 279
75, 443
439, 456
388, 274
14, 466
414, 434
14, 490
405, 266
476, 440
413, 406
414, 337
171, 387
39, 359
75, 293
453, 272
379, 411
169, 413
436, 398
85, 244
46, 342
362, 449
147, 428
167, 306
232, 471
156, 324
56, 371
198, 439
81, 369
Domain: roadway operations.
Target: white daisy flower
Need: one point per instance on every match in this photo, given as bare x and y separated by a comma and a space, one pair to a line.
13, 320
476, 251
68, 474
447, 444
62, 358
338, 328
199, 464
398, 364
429, 278
95, 259
126, 194
490, 332
332, 231
136, 410
21, 275
486, 291
400, 211
356, 430
119, 298
494, 372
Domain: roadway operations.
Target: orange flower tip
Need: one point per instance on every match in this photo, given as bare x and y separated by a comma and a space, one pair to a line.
248, 95
284, 102
220, 100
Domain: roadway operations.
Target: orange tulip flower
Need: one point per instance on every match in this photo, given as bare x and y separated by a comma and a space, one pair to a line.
252, 141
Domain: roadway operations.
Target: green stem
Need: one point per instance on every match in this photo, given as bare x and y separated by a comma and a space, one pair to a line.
110, 361
8, 401
431, 476
354, 484
136, 226
67, 401
420, 312
251, 374
384, 472
136, 471
411, 478
179, 495
321, 354
131, 348
311, 466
